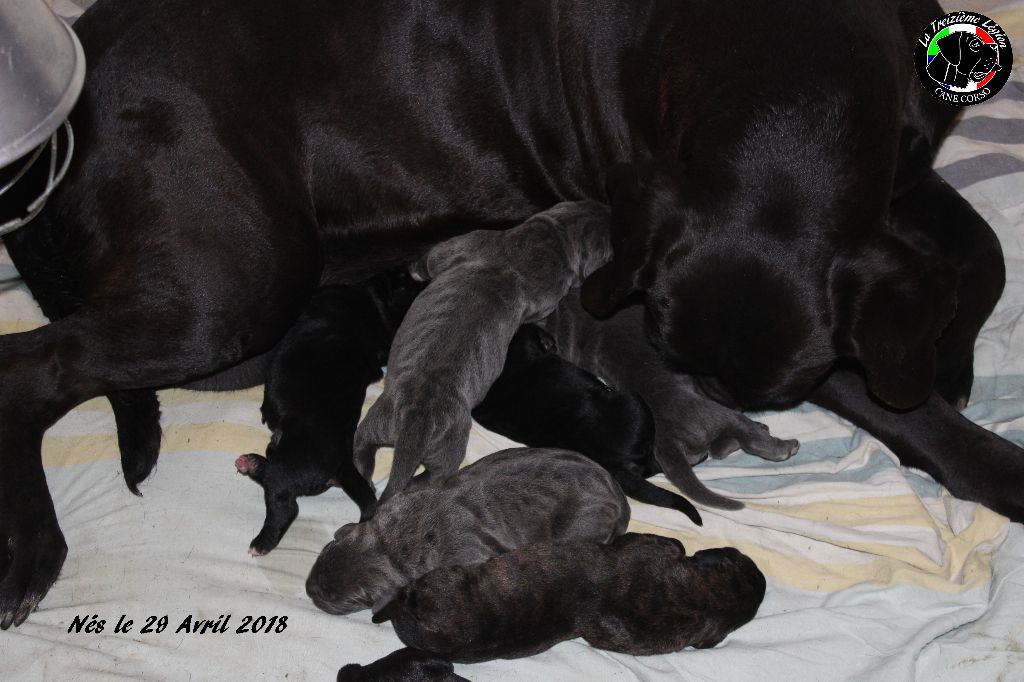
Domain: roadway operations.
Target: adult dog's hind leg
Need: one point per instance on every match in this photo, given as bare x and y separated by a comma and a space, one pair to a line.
200, 329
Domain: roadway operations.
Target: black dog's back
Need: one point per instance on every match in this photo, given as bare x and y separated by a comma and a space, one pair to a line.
543, 400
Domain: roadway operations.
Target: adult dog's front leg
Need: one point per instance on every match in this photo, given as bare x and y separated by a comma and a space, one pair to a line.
32, 547
936, 219
973, 463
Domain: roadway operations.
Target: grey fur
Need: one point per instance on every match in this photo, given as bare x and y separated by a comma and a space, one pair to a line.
503, 502
452, 344
689, 426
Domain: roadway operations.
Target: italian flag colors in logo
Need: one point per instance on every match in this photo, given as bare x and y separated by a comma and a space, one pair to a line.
933, 51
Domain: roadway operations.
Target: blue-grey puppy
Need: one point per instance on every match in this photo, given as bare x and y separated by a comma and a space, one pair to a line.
505, 501
452, 343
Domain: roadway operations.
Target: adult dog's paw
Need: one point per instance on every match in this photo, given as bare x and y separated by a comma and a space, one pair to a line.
32, 552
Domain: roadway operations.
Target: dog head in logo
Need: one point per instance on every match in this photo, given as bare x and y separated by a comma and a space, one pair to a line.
963, 57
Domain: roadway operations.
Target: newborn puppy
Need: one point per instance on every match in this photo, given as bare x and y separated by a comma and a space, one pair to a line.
503, 502
543, 400
639, 595
451, 346
688, 425
314, 395
404, 665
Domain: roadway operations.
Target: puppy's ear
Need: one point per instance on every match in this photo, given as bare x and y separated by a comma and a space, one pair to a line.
645, 204
346, 531
897, 301
386, 600
385, 612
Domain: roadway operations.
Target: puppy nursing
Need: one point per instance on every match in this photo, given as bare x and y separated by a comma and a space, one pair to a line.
452, 344
638, 595
543, 400
314, 394
505, 501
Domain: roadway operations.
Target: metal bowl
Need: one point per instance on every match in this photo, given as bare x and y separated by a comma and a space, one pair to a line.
41, 72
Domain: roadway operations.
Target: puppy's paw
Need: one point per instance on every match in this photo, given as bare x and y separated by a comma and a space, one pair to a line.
754, 438
264, 543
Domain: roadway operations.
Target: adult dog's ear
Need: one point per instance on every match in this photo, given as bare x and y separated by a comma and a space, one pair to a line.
894, 303
641, 198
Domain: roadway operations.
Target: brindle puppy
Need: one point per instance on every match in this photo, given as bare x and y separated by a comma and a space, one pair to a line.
638, 595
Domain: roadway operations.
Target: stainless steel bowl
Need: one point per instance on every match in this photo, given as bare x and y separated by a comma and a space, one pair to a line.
41, 72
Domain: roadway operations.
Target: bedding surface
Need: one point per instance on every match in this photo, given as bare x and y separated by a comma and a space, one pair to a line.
874, 571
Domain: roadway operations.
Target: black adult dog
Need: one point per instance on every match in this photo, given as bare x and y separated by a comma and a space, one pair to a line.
314, 395
234, 156
543, 400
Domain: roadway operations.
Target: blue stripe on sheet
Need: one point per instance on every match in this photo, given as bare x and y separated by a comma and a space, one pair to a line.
966, 172
1012, 90
987, 388
987, 129
769, 476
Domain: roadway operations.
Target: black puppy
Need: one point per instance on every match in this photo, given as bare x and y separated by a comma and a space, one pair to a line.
638, 595
543, 400
188, 235
689, 426
404, 665
314, 394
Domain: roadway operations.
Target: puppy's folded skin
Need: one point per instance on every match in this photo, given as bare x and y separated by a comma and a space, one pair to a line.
503, 502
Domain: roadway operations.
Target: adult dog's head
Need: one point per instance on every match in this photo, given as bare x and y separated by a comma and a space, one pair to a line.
969, 54
759, 300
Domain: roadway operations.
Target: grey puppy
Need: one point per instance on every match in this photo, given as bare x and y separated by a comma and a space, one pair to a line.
688, 425
505, 501
638, 595
451, 346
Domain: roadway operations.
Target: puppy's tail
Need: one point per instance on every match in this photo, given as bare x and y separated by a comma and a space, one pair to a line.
644, 491
678, 470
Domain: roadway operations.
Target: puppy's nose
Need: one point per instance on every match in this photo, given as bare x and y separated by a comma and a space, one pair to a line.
320, 593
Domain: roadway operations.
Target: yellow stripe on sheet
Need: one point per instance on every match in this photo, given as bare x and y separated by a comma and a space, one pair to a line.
17, 326
219, 437
966, 564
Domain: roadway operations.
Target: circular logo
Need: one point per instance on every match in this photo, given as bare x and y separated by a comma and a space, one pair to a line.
963, 58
